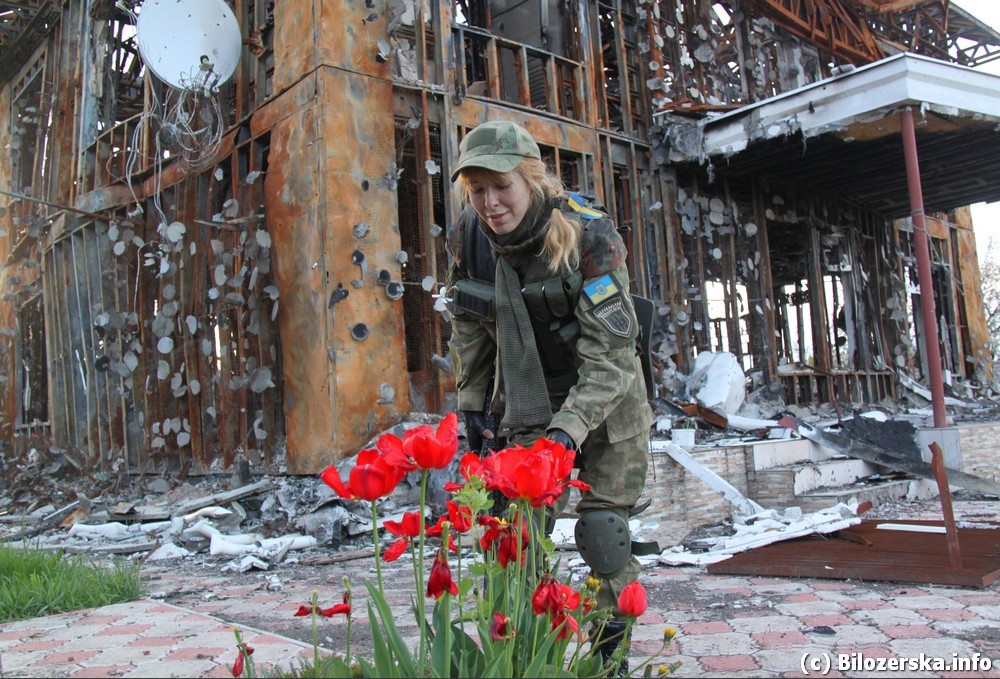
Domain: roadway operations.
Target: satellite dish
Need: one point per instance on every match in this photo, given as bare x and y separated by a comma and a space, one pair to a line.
189, 44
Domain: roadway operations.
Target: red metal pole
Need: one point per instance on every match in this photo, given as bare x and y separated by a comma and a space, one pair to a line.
921, 245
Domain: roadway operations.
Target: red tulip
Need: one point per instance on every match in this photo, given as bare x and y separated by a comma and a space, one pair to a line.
458, 516
566, 624
512, 544
337, 609
471, 465
422, 447
307, 609
501, 627
371, 478
632, 600
440, 580
396, 550
558, 600
538, 475
551, 596
238, 664
408, 528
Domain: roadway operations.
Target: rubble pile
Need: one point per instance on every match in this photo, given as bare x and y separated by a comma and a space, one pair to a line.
723, 405
238, 526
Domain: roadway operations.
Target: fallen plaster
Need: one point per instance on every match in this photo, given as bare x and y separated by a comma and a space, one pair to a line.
923, 392
763, 529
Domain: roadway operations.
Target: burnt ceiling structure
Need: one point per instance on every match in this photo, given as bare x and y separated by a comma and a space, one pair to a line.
841, 135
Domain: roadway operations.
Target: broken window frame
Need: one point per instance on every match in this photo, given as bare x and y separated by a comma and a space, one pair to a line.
31, 122
113, 400
421, 204
506, 76
32, 374
622, 95
952, 335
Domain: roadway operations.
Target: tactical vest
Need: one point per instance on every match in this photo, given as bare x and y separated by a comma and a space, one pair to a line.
550, 300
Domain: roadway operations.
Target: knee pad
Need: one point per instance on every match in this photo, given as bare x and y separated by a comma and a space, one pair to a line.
603, 540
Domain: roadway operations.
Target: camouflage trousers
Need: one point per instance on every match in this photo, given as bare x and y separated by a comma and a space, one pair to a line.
616, 473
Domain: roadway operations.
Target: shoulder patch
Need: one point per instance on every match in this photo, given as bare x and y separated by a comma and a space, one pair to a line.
601, 289
614, 317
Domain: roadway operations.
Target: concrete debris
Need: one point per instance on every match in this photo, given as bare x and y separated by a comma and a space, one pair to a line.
328, 524
925, 393
246, 563
116, 531
273, 549
750, 423
169, 551
210, 512
717, 382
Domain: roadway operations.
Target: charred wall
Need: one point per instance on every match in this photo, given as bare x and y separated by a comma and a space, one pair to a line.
265, 282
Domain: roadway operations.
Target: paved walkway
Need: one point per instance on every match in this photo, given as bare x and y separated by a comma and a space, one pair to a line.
727, 625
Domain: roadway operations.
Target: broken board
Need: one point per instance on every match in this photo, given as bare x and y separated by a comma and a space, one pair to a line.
866, 552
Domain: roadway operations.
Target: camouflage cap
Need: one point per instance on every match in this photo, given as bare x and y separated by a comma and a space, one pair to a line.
498, 145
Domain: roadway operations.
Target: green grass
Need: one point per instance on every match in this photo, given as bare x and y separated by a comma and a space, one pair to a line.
35, 583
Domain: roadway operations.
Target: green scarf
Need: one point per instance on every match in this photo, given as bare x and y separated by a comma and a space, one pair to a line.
527, 399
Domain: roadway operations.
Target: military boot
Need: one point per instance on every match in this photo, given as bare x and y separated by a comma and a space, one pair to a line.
607, 641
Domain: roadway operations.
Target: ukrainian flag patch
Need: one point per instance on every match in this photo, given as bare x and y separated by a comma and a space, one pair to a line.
601, 289
577, 203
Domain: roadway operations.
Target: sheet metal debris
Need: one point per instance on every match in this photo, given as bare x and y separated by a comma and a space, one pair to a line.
885, 457
758, 530
877, 554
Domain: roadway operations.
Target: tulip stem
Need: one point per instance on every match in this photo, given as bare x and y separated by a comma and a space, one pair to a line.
349, 599
378, 558
421, 594
447, 604
458, 568
312, 614
660, 653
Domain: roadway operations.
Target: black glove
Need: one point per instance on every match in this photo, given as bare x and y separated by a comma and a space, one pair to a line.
475, 423
559, 436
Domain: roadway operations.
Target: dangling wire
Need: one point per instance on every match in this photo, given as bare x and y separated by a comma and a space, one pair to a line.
188, 124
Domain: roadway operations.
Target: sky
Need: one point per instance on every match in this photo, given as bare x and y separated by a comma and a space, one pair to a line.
985, 217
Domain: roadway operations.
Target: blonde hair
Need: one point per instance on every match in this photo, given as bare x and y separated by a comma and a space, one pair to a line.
562, 240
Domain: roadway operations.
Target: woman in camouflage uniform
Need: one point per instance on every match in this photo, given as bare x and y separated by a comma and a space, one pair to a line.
544, 334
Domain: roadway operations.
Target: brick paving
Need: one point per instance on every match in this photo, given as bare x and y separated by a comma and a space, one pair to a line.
726, 625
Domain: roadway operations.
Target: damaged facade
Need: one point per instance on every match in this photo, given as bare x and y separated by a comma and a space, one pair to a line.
190, 278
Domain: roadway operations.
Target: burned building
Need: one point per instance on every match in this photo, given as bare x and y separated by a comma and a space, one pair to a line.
254, 267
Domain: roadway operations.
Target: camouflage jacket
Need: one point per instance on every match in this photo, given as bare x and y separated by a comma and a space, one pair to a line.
584, 325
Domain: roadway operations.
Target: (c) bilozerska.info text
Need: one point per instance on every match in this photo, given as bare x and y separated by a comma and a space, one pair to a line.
820, 663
